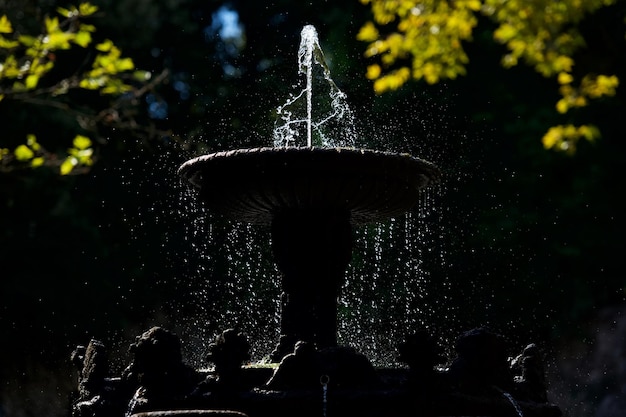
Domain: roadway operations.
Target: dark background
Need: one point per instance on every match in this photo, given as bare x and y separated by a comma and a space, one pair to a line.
525, 240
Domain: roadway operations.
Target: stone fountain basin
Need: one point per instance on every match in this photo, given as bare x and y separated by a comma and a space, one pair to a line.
253, 185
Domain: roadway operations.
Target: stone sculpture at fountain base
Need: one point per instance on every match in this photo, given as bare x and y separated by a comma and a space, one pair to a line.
481, 381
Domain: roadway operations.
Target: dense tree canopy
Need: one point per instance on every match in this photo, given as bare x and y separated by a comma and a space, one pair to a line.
426, 41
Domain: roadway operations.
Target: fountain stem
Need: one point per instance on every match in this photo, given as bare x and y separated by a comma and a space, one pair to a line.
312, 250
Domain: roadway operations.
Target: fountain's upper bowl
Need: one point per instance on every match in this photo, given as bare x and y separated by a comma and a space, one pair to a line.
253, 185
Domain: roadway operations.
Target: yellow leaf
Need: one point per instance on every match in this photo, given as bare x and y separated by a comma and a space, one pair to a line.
124, 64
368, 33
562, 106
87, 9
373, 72
5, 25
92, 83
87, 28
31, 141
36, 162
505, 32
27, 40
7, 43
81, 142
65, 12
142, 75
563, 63
82, 38
31, 81
23, 153
551, 138
59, 40
68, 165
52, 24
473, 5
105, 46
565, 78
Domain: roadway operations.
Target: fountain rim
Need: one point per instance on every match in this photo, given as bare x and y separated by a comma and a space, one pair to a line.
394, 176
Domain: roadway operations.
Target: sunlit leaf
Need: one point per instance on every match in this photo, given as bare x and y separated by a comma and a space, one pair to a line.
27, 40
565, 78
52, 24
82, 38
86, 28
124, 64
5, 25
64, 12
105, 46
81, 142
92, 83
368, 33
142, 75
23, 153
31, 81
68, 165
31, 141
36, 162
59, 40
87, 9
7, 43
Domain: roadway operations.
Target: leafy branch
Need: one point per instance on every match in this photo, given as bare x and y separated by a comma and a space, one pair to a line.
426, 42
25, 65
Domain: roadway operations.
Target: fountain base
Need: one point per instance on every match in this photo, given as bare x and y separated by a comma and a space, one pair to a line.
337, 381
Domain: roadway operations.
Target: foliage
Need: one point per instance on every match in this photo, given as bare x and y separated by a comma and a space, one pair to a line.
425, 41
26, 75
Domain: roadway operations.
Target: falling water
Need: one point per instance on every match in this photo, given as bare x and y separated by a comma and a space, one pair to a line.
392, 284
327, 114
308, 44
518, 409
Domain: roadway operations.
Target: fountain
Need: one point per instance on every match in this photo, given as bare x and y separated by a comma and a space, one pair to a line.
311, 198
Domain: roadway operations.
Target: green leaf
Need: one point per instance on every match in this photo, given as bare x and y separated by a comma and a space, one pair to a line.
23, 153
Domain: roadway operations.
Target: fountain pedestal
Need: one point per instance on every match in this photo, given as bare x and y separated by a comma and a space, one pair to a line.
312, 251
